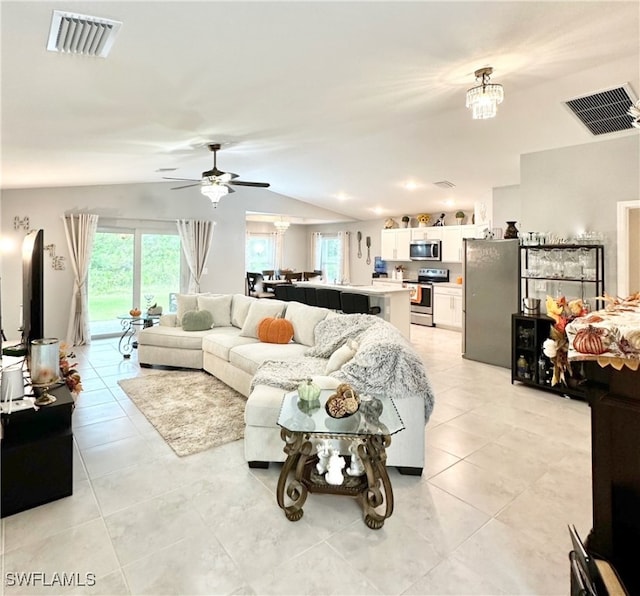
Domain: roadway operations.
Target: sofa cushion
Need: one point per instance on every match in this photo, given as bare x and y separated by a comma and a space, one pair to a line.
341, 356
304, 319
259, 310
172, 337
197, 320
223, 339
250, 356
219, 307
240, 308
185, 302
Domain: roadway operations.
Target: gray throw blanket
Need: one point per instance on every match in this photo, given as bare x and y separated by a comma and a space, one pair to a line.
288, 374
334, 332
384, 363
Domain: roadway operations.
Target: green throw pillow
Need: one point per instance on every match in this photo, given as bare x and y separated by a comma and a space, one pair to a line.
197, 320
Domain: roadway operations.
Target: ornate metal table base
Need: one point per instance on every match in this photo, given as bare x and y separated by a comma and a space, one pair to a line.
128, 342
299, 476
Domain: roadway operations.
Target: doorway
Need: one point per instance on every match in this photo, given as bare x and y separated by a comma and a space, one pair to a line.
628, 216
130, 267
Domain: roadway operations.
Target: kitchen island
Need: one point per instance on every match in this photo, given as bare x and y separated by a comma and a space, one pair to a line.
393, 301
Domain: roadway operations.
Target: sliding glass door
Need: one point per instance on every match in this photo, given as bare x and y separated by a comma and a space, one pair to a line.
130, 267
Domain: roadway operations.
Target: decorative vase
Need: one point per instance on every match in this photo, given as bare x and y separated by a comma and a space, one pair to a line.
309, 392
511, 231
45, 361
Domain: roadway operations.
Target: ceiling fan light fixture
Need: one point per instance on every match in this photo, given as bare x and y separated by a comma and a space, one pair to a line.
483, 99
214, 192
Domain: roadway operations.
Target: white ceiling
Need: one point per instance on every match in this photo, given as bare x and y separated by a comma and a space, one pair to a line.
316, 98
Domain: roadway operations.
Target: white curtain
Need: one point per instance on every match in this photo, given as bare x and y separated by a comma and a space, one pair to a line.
279, 243
80, 230
345, 255
195, 238
315, 251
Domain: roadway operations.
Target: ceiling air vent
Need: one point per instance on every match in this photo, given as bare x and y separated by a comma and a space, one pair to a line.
444, 184
81, 34
606, 111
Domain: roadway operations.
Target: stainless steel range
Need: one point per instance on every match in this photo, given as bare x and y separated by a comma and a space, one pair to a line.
422, 294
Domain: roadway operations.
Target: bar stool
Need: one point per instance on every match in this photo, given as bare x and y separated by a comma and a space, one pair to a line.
352, 303
328, 298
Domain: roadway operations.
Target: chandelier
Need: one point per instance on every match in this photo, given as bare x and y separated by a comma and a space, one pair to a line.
213, 191
483, 99
281, 225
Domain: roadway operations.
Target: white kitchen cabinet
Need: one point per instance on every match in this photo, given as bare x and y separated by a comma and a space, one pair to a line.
447, 306
394, 244
452, 245
428, 233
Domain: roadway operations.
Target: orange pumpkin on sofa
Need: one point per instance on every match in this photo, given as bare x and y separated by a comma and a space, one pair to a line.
274, 330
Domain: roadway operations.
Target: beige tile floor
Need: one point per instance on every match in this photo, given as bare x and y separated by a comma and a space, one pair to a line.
507, 468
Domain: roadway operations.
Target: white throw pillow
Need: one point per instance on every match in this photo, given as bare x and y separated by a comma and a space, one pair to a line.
186, 302
240, 309
304, 319
339, 357
219, 307
259, 310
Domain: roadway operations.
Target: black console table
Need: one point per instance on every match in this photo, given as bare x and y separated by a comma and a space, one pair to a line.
614, 397
37, 454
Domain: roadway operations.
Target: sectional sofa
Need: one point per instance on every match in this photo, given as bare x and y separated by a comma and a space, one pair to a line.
363, 350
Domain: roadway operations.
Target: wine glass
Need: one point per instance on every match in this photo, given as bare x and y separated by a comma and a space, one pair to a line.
148, 298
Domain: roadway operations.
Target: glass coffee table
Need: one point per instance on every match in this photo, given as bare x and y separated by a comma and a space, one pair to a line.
315, 444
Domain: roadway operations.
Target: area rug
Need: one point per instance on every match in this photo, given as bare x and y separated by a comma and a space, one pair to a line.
193, 411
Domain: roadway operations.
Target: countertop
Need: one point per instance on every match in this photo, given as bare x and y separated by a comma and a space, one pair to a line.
447, 284
377, 290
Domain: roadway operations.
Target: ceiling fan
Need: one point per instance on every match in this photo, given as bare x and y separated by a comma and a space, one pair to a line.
215, 183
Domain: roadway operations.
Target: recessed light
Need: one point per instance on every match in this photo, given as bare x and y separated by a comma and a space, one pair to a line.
378, 210
410, 185
449, 202
342, 196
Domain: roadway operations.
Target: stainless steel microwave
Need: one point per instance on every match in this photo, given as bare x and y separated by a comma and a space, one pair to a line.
425, 250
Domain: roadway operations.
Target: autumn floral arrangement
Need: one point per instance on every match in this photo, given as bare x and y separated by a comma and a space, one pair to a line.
69, 374
556, 348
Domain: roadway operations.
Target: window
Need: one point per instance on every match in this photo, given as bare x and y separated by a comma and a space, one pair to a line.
260, 252
327, 256
131, 267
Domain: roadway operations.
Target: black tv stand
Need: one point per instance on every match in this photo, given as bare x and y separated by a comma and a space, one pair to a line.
37, 454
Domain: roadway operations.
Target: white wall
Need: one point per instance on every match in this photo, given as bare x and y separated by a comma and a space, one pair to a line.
46, 207
573, 189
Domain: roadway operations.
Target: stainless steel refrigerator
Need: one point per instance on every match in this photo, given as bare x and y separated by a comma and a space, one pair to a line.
491, 295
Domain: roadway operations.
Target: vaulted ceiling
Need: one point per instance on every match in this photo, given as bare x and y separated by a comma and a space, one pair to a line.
338, 104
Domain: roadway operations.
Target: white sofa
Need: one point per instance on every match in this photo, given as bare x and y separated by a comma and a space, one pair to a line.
231, 352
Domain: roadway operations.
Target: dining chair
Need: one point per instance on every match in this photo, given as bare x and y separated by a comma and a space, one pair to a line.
253, 286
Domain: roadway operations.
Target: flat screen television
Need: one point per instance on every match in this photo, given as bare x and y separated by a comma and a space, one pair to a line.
32, 287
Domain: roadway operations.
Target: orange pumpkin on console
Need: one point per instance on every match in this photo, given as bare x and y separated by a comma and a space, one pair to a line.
275, 330
135, 312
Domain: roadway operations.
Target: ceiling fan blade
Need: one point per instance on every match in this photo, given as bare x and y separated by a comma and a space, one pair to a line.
185, 186
243, 183
185, 179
